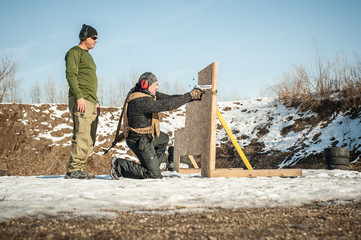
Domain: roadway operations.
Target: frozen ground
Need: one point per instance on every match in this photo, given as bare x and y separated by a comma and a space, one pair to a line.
44, 196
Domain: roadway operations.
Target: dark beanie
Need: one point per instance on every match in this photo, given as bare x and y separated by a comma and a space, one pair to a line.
87, 31
92, 31
145, 80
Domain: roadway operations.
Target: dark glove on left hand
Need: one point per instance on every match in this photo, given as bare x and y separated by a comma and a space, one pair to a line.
197, 94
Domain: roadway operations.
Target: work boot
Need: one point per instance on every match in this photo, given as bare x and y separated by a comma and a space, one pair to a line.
170, 158
79, 175
113, 170
89, 176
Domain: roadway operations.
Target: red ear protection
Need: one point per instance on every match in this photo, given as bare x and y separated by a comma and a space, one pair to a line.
144, 83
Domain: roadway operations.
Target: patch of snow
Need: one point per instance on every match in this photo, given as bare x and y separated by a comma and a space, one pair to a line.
45, 196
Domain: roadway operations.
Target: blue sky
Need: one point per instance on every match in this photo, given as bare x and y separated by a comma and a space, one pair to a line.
254, 42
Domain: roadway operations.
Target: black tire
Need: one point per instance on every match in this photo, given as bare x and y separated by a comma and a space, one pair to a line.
336, 152
340, 167
337, 161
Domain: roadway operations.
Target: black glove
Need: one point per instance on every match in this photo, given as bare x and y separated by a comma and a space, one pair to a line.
197, 94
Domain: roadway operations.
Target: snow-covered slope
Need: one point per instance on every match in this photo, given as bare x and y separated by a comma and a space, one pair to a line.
265, 129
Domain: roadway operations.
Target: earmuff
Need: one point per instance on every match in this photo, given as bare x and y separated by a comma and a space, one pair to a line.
83, 33
144, 84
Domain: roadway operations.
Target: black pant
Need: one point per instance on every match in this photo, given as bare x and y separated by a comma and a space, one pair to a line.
150, 152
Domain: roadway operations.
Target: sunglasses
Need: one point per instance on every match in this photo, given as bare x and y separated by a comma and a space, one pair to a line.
94, 38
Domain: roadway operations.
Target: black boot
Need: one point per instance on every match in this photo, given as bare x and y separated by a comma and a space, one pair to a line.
170, 158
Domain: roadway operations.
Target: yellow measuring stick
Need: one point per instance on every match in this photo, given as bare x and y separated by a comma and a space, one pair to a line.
233, 139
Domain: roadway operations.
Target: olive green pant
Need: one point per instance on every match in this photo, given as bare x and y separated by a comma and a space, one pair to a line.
84, 133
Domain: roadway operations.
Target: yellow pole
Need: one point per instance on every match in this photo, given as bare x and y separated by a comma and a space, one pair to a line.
193, 161
233, 139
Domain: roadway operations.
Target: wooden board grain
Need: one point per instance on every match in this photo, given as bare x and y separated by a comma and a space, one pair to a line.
198, 137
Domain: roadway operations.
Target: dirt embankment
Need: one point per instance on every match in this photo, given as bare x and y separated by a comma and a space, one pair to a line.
24, 153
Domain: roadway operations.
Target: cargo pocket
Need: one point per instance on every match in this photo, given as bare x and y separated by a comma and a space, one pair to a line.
82, 123
143, 143
85, 118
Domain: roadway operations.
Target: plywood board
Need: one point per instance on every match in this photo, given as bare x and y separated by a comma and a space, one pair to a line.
199, 135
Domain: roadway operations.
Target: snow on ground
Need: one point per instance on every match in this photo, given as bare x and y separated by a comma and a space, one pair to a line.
37, 196
44, 196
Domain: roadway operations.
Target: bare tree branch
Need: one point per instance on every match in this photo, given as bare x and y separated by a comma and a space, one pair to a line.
8, 68
50, 91
36, 93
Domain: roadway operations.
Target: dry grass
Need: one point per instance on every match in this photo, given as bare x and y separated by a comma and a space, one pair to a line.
334, 83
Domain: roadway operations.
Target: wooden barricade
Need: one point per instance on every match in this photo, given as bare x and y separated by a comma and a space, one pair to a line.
198, 137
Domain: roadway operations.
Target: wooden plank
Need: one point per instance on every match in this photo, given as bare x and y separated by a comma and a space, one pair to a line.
199, 134
179, 138
239, 172
189, 170
209, 76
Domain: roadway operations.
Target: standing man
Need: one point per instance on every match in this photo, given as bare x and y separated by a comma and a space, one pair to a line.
83, 101
141, 128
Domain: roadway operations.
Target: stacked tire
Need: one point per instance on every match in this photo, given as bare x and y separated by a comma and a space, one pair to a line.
337, 158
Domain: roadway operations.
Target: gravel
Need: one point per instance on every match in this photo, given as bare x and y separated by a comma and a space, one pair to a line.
316, 221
